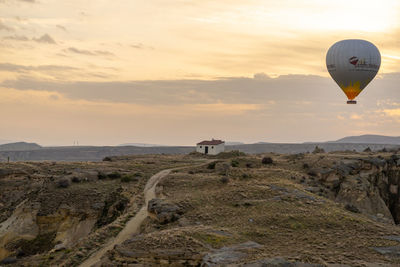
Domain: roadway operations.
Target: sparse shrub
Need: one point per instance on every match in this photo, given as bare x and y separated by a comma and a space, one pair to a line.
41, 243
318, 150
294, 157
306, 166
113, 207
191, 172
367, 149
211, 165
138, 174
107, 159
101, 176
63, 183
245, 176
267, 160
234, 163
114, 175
127, 179
249, 165
352, 208
224, 180
230, 154
312, 172
76, 179
223, 168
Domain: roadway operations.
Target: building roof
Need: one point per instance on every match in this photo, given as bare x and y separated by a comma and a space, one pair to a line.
212, 142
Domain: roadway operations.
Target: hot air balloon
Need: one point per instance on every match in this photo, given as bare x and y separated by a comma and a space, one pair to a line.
353, 64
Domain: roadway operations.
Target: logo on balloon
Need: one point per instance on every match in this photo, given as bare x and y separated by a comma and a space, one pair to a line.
353, 60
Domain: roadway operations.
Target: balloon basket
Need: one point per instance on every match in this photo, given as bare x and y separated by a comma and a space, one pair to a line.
352, 102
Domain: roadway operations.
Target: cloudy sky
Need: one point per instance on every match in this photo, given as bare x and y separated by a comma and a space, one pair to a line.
177, 72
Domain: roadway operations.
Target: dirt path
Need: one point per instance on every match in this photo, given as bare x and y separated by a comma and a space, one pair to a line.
134, 223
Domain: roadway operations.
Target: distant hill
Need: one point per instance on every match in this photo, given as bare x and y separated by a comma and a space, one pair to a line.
228, 143
140, 145
369, 139
87, 153
19, 146
4, 141
33, 152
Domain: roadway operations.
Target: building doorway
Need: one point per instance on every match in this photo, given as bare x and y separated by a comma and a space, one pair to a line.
206, 150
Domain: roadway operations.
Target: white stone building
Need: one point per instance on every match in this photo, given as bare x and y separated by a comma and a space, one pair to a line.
212, 147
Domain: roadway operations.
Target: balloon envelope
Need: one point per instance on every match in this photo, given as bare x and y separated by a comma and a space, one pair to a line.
353, 64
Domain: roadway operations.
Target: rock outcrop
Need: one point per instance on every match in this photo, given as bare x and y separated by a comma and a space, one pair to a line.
366, 185
45, 206
163, 211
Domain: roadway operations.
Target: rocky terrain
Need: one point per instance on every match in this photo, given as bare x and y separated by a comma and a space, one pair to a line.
54, 213
32, 152
234, 209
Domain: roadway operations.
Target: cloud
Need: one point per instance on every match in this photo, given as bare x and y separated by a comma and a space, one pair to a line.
4, 27
58, 72
23, 68
89, 53
355, 117
261, 76
103, 53
285, 108
24, 1
79, 51
222, 108
47, 39
293, 90
22, 38
141, 46
392, 112
62, 28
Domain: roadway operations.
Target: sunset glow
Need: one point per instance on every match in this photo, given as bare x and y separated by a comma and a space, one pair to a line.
125, 55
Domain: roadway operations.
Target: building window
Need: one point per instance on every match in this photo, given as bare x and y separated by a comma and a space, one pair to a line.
212, 147
200, 146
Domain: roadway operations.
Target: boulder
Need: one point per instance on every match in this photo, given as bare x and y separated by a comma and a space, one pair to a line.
391, 252
165, 212
59, 247
229, 255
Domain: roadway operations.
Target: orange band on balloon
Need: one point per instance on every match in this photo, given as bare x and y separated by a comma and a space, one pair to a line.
352, 90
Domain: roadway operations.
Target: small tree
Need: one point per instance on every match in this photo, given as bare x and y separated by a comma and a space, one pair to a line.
318, 150
367, 149
267, 160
